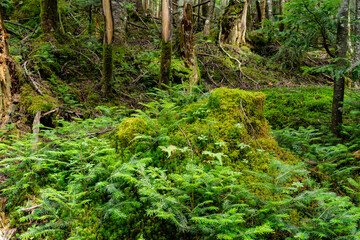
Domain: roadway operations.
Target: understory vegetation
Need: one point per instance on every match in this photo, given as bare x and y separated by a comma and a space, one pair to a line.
246, 153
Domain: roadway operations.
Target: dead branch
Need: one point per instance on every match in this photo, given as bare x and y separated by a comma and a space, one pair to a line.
30, 208
31, 79
36, 130
18, 24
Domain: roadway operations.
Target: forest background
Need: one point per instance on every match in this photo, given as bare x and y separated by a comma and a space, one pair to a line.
179, 119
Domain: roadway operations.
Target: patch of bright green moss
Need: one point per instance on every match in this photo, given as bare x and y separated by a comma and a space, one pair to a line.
129, 128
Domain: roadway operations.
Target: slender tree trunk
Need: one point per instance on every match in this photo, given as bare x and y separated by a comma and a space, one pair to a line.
49, 17
270, 15
339, 85
281, 12
357, 31
187, 43
107, 47
166, 52
8, 77
209, 16
138, 5
147, 5
263, 10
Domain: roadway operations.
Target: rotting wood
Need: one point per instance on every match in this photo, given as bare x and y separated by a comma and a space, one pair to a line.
36, 130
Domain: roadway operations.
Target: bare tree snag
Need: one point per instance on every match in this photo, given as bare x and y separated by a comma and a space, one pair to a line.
187, 43
339, 85
208, 15
166, 47
8, 78
263, 11
107, 47
49, 17
235, 27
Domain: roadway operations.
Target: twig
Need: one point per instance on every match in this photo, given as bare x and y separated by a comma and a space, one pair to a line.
50, 112
197, 5
208, 55
188, 142
235, 59
18, 24
31, 79
138, 77
137, 14
30, 208
136, 25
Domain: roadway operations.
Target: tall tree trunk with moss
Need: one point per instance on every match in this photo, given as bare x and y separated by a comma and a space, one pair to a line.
234, 25
208, 15
187, 43
339, 85
8, 78
115, 15
49, 17
166, 46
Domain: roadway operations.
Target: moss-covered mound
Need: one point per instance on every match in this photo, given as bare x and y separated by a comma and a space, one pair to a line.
228, 126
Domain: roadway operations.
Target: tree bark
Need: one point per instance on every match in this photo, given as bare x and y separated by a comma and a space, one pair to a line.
235, 28
357, 31
187, 43
107, 47
8, 80
166, 52
209, 16
119, 12
270, 15
339, 85
49, 17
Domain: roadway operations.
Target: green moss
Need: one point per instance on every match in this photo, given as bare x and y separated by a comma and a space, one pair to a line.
34, 102
107, 72
129, 128
165, 67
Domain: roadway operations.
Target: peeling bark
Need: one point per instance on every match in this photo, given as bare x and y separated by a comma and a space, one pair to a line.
107, 72
8, 79
339, 85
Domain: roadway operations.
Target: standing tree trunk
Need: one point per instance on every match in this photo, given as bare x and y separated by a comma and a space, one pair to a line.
235, 28
107, 71
263, 11
115, 15
281, 12
165, 67
49, 17
8, 78
187, 43
270, 15
357, 31
138, 5
339, 85
209, 15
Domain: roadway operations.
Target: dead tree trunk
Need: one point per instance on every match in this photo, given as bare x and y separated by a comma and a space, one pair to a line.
235, 27
339, 85
166, 52
49, 17
209, 15
187, 43
8, 79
